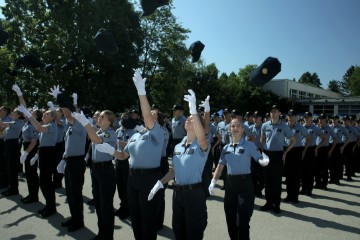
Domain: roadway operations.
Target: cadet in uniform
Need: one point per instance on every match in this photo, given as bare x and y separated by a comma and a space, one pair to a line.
12, 154
256, 170
343, 138
348, 152
189, 218
178, 131
324, 154
60, 146
294, 158
310, 153
273, 134
103, 174
47, 157
124, 133
144, 149
30, 142
75, 140
239, 192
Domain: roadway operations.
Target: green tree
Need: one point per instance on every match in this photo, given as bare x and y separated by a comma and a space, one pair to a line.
310, 79
345, 80
354, 82
165, 58
54, 30
335, 86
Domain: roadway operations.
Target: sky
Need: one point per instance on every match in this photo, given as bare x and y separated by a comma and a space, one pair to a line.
321, 36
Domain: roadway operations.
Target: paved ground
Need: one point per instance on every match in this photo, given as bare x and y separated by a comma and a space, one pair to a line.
333, 214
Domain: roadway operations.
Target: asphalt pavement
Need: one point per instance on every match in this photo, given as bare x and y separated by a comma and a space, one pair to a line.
327, 215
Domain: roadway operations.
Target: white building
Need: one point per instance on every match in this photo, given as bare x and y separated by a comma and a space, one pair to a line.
295, 90
314, 99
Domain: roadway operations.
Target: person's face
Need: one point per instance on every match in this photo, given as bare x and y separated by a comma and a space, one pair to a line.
96, 116
322, 121
103, 120
275, 113
257, 120
15, 115
292, 119
47, 117
308, 120
236, 127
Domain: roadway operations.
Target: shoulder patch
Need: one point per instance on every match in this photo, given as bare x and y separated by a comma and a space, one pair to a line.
106, 135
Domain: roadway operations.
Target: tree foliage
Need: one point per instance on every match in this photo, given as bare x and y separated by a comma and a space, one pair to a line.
310, 79
335, 86
345, 81
54, 30
354, 82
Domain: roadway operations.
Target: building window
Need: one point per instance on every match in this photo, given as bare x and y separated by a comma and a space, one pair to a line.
324, 109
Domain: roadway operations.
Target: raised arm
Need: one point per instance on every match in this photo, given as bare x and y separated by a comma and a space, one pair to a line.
17, 89
199, 129
144, 103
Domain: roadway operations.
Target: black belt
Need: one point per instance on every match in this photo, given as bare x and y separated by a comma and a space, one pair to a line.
81, 157
188, 187
102, 164
239, 176
141, 171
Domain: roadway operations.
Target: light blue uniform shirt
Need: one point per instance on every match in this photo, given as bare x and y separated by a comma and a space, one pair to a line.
314, 132
178, 127
189, 162
238, 158
256, 131
75, 140
13, 131
353, 133
145, 148
327, 130
340, 133
48, 139
108, 136
300, 133
223, 131
275, 135
124, 135
29, 132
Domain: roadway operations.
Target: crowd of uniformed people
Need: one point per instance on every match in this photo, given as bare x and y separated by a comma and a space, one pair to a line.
131, 152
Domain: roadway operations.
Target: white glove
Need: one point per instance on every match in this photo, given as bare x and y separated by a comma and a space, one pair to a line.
61, 166
212, 186
265, 160
16, 88
51, 105
34, 159
23, 157
139, 83
206, 104
87, 156
154, 190
81, 118
75, 98
139, 128
191, 99
55, 91
22, 109
105, 148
